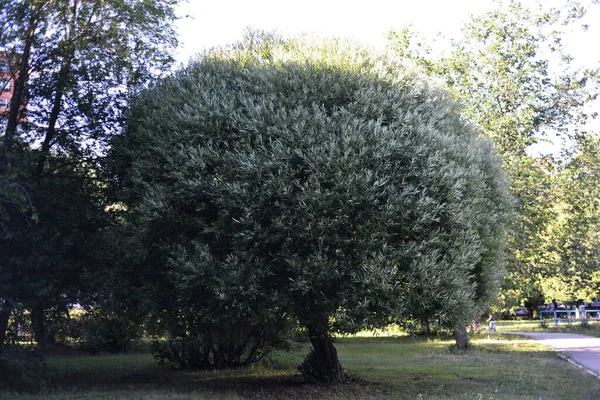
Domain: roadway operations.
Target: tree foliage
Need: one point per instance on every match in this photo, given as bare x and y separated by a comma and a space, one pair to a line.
511, 73
79, 62
573, 235
281, 182
74, 65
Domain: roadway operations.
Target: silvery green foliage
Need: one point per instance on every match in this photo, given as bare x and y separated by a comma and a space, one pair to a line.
315, 182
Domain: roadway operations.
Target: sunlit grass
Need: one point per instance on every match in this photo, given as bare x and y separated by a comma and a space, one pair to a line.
592, 328
390, 331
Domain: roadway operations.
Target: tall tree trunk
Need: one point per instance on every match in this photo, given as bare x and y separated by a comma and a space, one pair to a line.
325, 357
50, 132
425, 330
62, 85
462, 338
5, 312
40, 333
17, 100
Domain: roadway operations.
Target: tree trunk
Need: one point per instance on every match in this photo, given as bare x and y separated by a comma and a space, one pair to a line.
4, 317
18, 98
425, 327
40, 333
62, 84
325, 357
462, 338
54, 114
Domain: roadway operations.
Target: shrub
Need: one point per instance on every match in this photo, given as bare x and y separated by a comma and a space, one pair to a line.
108, 333
22, 370
220, 344
203, 354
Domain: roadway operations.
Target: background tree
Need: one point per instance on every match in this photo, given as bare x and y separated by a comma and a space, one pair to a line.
312, 183
75, 66
573, 235
515, 81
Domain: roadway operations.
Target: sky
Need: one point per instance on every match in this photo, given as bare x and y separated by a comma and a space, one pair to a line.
209, 23
214, 23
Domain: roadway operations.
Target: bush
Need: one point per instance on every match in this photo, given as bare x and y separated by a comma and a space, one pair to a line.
22, 370
184, 354
222, 342
108, 333
201, 353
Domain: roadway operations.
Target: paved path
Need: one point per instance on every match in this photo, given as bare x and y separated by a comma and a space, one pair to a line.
581, 349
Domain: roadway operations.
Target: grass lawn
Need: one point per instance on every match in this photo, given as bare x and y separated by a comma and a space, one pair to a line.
592, 328
496, 367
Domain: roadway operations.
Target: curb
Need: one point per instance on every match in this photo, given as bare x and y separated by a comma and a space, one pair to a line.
589, 371
563, 357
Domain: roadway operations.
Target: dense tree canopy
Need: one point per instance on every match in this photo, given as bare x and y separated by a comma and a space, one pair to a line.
572, 238
314, 183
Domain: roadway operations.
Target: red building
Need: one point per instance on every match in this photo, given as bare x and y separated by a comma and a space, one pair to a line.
6, 86
8, 69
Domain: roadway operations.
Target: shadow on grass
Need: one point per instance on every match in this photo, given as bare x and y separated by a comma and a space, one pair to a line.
496, 366
216, 384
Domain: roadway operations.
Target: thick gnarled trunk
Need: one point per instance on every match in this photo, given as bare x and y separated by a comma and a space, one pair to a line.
325, 365
462, 338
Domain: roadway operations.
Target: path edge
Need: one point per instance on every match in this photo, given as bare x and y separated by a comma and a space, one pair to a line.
570, 360
562, 356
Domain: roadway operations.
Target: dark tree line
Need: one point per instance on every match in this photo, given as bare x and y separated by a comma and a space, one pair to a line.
75, 66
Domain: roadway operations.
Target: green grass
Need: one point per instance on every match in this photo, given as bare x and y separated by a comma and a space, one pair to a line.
592, 328
496, 367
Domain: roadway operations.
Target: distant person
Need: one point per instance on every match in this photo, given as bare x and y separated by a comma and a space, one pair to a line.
492, 323
582, 310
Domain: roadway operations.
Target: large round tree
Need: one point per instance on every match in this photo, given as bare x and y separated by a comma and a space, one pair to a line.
314, 183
